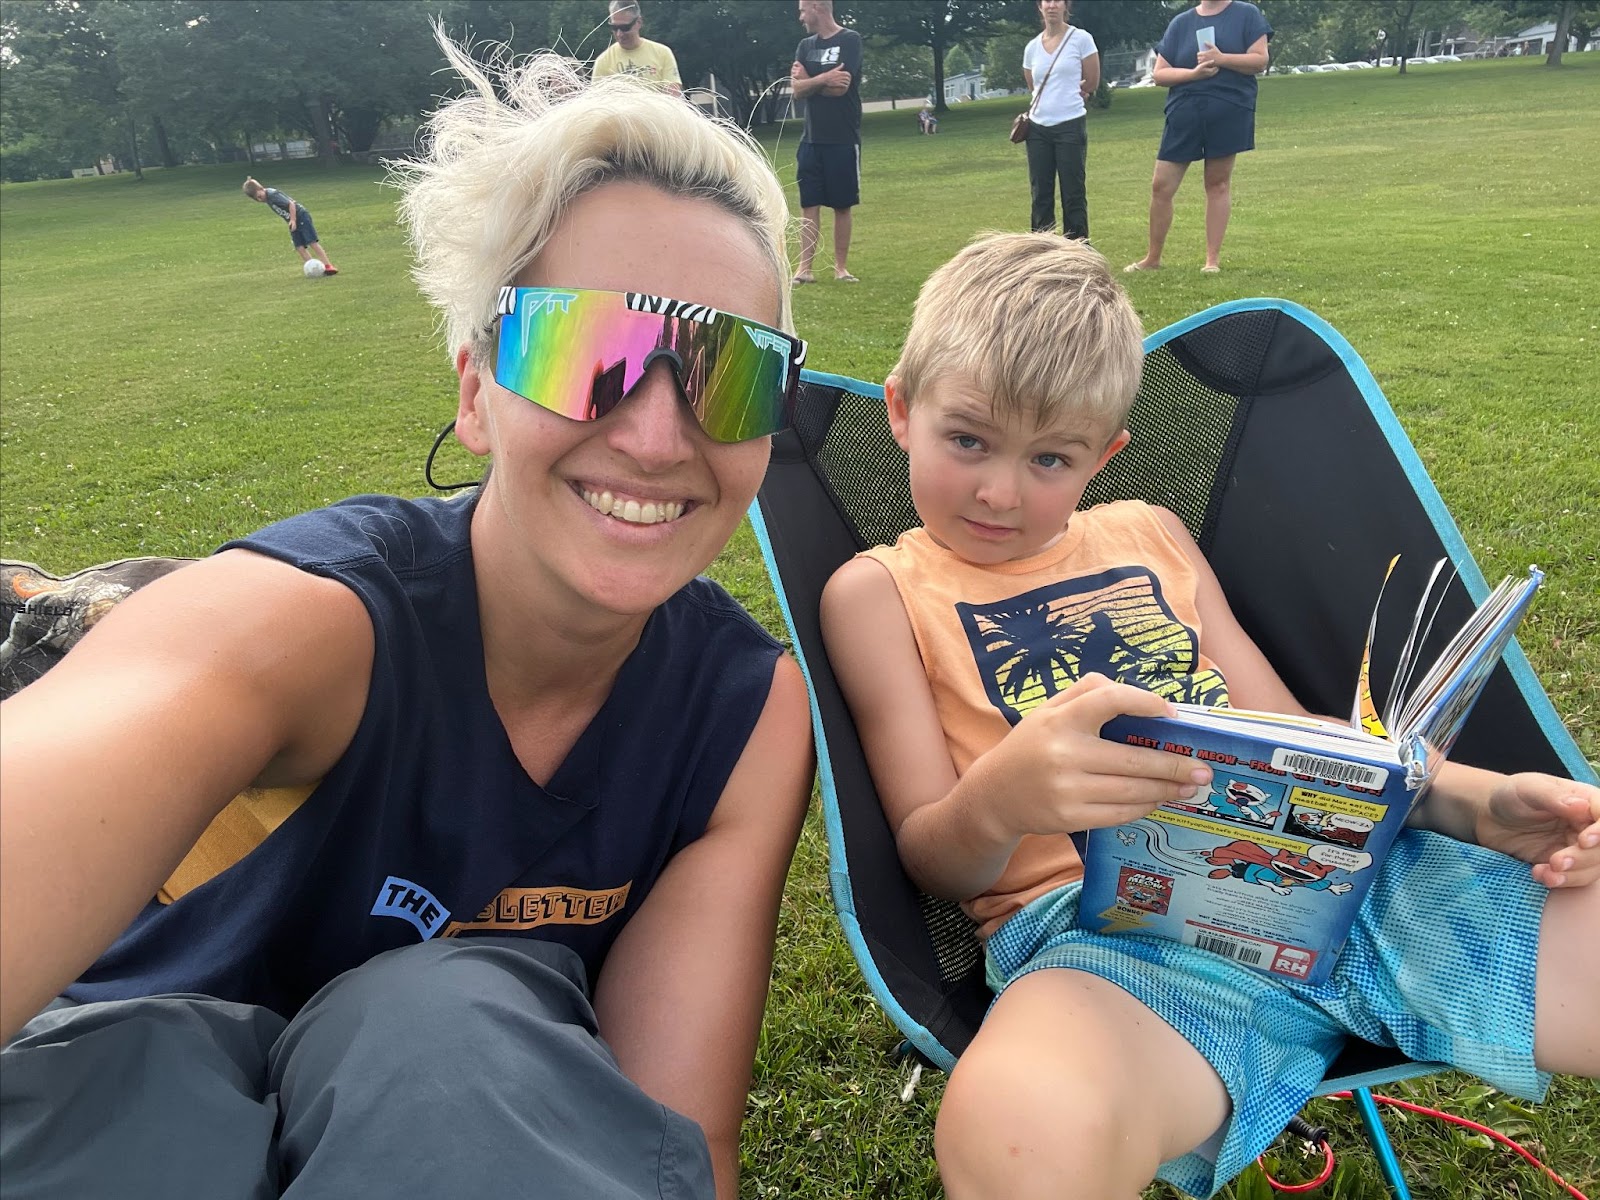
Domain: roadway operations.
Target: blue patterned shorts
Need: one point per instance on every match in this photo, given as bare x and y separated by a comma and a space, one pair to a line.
1440, 963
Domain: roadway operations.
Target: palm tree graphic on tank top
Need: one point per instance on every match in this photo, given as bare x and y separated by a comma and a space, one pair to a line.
1032, 646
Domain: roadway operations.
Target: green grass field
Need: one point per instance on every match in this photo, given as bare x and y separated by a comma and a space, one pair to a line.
169, 380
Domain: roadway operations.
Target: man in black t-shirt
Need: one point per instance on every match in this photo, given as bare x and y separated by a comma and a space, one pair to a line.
827, 76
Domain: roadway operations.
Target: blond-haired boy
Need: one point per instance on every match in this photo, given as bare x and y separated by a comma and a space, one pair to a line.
981, 654
301, 231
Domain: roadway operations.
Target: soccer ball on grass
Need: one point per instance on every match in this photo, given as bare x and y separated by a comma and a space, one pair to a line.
314, 269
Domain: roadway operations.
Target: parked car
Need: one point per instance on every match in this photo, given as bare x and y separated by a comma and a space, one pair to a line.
1358, 65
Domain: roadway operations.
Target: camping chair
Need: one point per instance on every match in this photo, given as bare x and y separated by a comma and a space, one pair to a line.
1261, 428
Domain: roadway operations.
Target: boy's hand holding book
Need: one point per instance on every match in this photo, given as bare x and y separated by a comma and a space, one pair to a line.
1053, 773
1551, 823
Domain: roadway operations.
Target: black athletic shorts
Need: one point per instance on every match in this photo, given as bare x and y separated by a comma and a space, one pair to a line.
829, 175
1206, 127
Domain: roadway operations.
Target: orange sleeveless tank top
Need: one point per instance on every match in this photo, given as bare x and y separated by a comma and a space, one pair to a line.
1116, 594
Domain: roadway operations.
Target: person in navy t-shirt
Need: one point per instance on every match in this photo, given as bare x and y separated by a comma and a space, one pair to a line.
435, 847
1209, 59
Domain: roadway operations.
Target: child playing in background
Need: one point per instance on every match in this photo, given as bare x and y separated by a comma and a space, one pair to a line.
301, 231
1022, 362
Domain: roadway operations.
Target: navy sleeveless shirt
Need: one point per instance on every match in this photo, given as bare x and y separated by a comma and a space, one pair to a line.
428, 826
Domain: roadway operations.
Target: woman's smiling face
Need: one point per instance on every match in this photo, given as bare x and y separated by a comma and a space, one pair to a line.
545, 508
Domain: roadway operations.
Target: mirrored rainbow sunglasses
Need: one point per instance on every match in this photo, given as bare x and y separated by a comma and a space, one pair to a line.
580, 352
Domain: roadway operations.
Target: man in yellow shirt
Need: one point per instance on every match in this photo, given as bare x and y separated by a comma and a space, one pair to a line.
633, 54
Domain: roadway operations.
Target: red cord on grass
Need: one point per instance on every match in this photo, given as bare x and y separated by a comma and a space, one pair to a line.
1494, 1134
1327, 1173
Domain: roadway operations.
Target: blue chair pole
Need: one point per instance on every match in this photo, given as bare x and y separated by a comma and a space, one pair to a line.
1379, 1137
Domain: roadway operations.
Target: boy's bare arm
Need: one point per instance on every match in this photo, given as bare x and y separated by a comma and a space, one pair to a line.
875, 658
1051, 774
1549, 822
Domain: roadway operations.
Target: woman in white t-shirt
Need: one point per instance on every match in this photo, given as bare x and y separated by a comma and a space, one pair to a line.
1058, 143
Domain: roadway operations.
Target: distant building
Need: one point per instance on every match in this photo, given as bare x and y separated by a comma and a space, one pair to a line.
1536, 39
280, 149
969, 85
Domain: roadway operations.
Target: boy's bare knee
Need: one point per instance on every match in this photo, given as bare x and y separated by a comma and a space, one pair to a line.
1012, 1127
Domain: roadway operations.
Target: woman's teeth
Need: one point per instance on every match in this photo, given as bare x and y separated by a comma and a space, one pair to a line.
651, 512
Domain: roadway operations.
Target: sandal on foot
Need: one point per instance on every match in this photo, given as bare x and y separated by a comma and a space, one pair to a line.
1139, 266
802, 279
846, 278
1210, 270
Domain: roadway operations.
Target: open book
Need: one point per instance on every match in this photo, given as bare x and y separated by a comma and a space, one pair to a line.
1270, 865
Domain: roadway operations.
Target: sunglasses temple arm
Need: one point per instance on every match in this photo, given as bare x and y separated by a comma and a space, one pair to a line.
427, 467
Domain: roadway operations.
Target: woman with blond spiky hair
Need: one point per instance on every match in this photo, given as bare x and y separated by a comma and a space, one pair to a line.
445, 838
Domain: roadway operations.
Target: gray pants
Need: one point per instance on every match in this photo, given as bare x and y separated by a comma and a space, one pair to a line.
459, 1068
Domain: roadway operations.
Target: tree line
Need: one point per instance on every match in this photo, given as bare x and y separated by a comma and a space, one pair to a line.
165, 82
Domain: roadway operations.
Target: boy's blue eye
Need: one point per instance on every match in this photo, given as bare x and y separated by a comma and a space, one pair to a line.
1050, 461
966, 441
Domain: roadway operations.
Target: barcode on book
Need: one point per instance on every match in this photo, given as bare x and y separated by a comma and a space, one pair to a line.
1241, 951
1301, 763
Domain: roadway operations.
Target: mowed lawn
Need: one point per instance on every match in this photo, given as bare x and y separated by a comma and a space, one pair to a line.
168, 380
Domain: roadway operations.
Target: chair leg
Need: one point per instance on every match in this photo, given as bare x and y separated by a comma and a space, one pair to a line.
1387, 1162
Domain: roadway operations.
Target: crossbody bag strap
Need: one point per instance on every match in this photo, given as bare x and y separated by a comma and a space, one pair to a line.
1065, 38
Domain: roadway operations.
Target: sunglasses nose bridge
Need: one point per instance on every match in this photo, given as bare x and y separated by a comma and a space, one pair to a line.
675, 368
654, 423
673, 362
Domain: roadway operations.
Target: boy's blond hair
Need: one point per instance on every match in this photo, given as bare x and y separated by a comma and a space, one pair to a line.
1034, 321
252, 188
503, 164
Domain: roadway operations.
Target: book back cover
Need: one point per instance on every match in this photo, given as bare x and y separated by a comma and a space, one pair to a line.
1269, 866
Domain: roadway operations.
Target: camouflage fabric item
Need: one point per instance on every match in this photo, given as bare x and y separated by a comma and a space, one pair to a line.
46, 614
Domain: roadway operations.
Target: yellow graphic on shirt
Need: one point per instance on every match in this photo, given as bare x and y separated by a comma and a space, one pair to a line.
528, 908
1030, 647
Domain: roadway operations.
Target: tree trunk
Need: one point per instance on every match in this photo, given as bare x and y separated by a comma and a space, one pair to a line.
168, 159
133, 146
939, 105
1403, 35
1563, 25
327, 148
